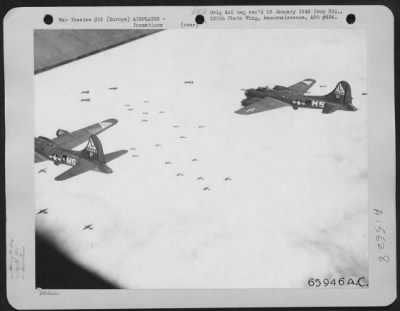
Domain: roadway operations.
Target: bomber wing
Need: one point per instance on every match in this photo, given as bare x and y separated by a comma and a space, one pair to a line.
39, 157
300, 88
76, 170
266, 103
73, 139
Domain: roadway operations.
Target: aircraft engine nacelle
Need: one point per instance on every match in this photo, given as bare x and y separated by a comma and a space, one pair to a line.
61, 132
246, 102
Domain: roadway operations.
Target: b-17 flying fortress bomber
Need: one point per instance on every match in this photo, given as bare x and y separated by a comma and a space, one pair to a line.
59, 150
264, 98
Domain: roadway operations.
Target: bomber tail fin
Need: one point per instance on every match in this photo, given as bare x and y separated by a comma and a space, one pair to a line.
94, 149
341, 94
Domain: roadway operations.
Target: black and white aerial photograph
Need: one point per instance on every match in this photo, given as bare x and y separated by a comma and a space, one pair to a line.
201, 159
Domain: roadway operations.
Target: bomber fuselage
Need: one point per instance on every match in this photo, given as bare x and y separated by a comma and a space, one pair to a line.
296, 101
47, 148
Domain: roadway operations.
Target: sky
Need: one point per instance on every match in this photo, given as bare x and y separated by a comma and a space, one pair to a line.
295, 201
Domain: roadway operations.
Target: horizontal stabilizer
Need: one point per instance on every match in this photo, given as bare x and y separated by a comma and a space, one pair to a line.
113, 155
329, 108
75, 170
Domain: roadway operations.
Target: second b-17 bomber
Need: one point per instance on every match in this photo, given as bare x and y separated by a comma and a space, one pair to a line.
264, 98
